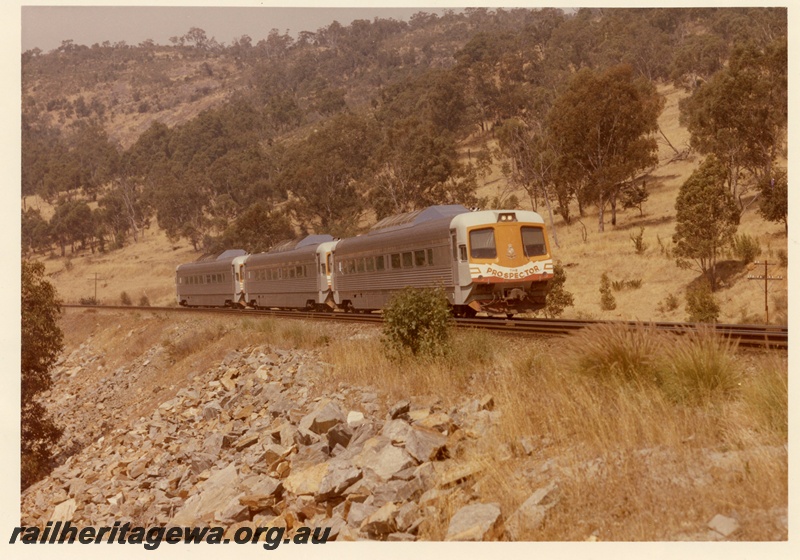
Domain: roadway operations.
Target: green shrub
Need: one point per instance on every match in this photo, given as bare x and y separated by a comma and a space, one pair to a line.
417, 321
144, 301
607, 301
619, 285
558, 298
745, 248
88, 301
670, 303
638, 242
701, 306
125, 299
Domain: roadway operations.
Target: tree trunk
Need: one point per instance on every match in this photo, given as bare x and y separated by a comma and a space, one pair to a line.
600, 208
613, 201
552, 223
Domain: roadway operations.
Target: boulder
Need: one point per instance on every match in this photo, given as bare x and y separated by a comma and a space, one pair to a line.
214, 495
325, 416
477, 522
337, 479
381, 522
723, 525
530, 515
425, 444
306, 481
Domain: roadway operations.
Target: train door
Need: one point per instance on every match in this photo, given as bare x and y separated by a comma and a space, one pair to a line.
461, 274
238, 272
324, 266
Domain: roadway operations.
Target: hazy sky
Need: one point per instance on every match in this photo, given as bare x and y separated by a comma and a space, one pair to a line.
46, 27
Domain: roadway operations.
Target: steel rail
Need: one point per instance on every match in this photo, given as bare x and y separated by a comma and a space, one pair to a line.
749, 335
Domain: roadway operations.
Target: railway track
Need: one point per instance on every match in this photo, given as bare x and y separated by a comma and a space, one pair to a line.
758, 336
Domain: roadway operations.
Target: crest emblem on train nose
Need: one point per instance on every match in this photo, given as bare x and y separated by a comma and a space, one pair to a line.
511, 253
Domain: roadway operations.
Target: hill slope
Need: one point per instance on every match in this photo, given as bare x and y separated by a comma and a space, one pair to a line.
147, 266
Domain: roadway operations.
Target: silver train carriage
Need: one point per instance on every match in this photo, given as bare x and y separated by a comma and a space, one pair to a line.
293, 275
497, 261
212, 283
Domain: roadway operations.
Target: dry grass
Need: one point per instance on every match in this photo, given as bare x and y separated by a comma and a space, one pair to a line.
631, 458
635, 457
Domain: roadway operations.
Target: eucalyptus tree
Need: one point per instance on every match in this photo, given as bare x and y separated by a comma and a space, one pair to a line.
42, 342
706, 218
741, 114
605, 123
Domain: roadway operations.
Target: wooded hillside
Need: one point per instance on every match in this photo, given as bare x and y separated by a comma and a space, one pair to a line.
313, 133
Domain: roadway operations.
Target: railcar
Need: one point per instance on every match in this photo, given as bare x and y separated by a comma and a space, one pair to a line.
212, 283
497, 261
292, 275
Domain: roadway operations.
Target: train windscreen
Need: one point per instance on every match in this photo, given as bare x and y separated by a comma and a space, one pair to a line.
533, 241
481, 244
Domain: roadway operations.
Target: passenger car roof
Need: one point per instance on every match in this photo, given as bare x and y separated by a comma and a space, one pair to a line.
409, 219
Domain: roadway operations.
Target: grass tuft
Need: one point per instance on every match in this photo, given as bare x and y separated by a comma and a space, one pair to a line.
610, 351
700, 367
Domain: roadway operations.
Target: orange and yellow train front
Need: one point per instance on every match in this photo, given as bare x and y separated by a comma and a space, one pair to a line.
504, 261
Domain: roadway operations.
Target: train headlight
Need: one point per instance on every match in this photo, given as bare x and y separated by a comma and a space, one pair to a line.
507, 217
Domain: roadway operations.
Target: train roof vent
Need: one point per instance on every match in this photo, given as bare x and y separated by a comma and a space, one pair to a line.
420, 216
230, 254
292, 244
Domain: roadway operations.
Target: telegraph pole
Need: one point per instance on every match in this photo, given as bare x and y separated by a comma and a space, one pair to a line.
96, 278
766, 278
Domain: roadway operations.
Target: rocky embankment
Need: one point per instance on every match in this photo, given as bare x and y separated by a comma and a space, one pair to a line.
247, 443
261, 438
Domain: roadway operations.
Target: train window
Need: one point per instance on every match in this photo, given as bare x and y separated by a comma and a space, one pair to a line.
291, 272
208, 279
462, 251
351, 266
481, 243
379, 263
408, 260
360, 265
300, 271
395, 258
533, 241
369, 264
430, 257
419, 258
